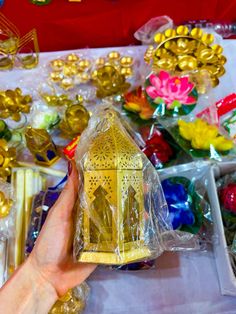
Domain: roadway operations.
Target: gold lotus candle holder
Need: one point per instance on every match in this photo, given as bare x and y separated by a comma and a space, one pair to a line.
25, 48
41, 146
182, 51
7, 159
73, 70
13, 104
75, 119
70, 71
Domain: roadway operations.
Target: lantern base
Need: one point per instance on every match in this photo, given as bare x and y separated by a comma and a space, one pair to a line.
113, 258
47, 163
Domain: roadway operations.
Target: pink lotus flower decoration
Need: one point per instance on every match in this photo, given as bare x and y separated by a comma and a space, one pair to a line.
174, 91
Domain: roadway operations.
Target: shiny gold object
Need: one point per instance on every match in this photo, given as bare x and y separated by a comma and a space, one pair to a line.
70, 69
75, 119
67, 83
113, 220
41, 146
57, 64
13, 103
114, 55
28, 50
56, 76
6, 63
71, 303
72, 58
182, 51
25, 48
5, 205
56, 100
100, 62
109, 81
84, 64
74, 70
7, 159
126, 61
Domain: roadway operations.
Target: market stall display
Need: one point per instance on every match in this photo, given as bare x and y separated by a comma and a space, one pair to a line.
122, 121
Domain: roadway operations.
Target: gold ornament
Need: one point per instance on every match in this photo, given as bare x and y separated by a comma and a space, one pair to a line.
113, 217
70, 303
70, 71
109, 81
5, 205
41, 146
75, 119
56, 100
181, 51
7, 159
13, 47
13, 103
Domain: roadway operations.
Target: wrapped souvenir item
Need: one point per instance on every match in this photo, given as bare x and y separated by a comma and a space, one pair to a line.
185, 190
3, 258
26, 183
41, 146
227, 197
24, 50
171, 95
200, 139
75, 118
160, 148
44, 118
181, 50
13, 104
7, 210
41, 204
73, 302
136, 106
155, 25
122, 213
7, 221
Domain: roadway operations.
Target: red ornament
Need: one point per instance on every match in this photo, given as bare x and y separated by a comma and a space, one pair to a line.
157, 149
228, 197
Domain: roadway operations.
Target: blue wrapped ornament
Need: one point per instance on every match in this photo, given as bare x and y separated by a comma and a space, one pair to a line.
185, 211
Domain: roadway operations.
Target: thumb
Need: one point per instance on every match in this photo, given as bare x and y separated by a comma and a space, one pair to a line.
67, 199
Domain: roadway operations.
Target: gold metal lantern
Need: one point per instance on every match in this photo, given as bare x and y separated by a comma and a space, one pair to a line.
41, 146
113, 219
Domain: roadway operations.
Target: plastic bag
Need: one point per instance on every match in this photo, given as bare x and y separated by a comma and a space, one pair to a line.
185, 190
122, 212
155, 25
41, 205
226, 187
73, 302
200, 139
7, 219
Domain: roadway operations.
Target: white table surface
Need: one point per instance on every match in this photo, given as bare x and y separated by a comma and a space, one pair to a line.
182, 283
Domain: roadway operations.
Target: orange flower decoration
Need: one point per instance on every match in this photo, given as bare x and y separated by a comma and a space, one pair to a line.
136, 102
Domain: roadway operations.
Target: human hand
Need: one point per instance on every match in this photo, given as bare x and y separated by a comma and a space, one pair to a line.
52, 256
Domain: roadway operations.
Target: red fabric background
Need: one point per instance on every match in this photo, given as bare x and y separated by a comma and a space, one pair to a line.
65, 25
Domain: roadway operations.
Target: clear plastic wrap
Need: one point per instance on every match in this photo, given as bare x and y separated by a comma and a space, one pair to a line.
73, 302
122, 213
201, 139
41, 204
226, 186
155, 25
7, 209
7, 219
185, 189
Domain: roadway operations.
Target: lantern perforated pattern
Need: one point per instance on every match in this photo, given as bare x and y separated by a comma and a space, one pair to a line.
113, 220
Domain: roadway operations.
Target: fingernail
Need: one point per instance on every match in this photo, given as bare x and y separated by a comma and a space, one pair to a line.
69, 168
